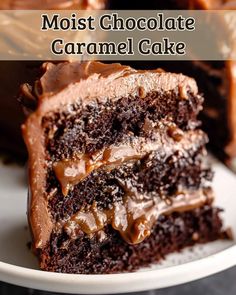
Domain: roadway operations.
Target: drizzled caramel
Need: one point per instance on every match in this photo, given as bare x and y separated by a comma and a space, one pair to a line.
175, 133
135, 216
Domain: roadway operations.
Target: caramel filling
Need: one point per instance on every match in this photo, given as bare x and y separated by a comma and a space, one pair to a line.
70, 172
135, 216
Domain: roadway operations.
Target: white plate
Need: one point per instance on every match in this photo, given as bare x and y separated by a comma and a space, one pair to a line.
19, 266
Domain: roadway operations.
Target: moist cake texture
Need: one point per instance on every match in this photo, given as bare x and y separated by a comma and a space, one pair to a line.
118, 170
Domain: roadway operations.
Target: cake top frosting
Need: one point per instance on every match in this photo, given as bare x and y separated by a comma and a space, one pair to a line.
63, 83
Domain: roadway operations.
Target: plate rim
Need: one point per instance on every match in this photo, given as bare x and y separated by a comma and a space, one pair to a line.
118, 283
125, 282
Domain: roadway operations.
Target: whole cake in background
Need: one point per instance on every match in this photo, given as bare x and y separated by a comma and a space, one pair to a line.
118, 171
216, 80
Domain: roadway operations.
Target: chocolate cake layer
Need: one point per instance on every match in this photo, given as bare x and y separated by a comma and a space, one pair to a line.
87, 128
111, 149
109, 253
75, 131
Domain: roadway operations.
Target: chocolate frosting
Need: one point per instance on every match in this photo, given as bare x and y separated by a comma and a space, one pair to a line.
117, 79
67, 83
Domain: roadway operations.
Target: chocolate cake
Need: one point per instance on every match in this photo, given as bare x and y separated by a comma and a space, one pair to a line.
117, 167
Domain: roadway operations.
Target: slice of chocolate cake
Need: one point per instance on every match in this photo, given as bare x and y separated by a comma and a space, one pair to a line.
52, 4
118, 171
